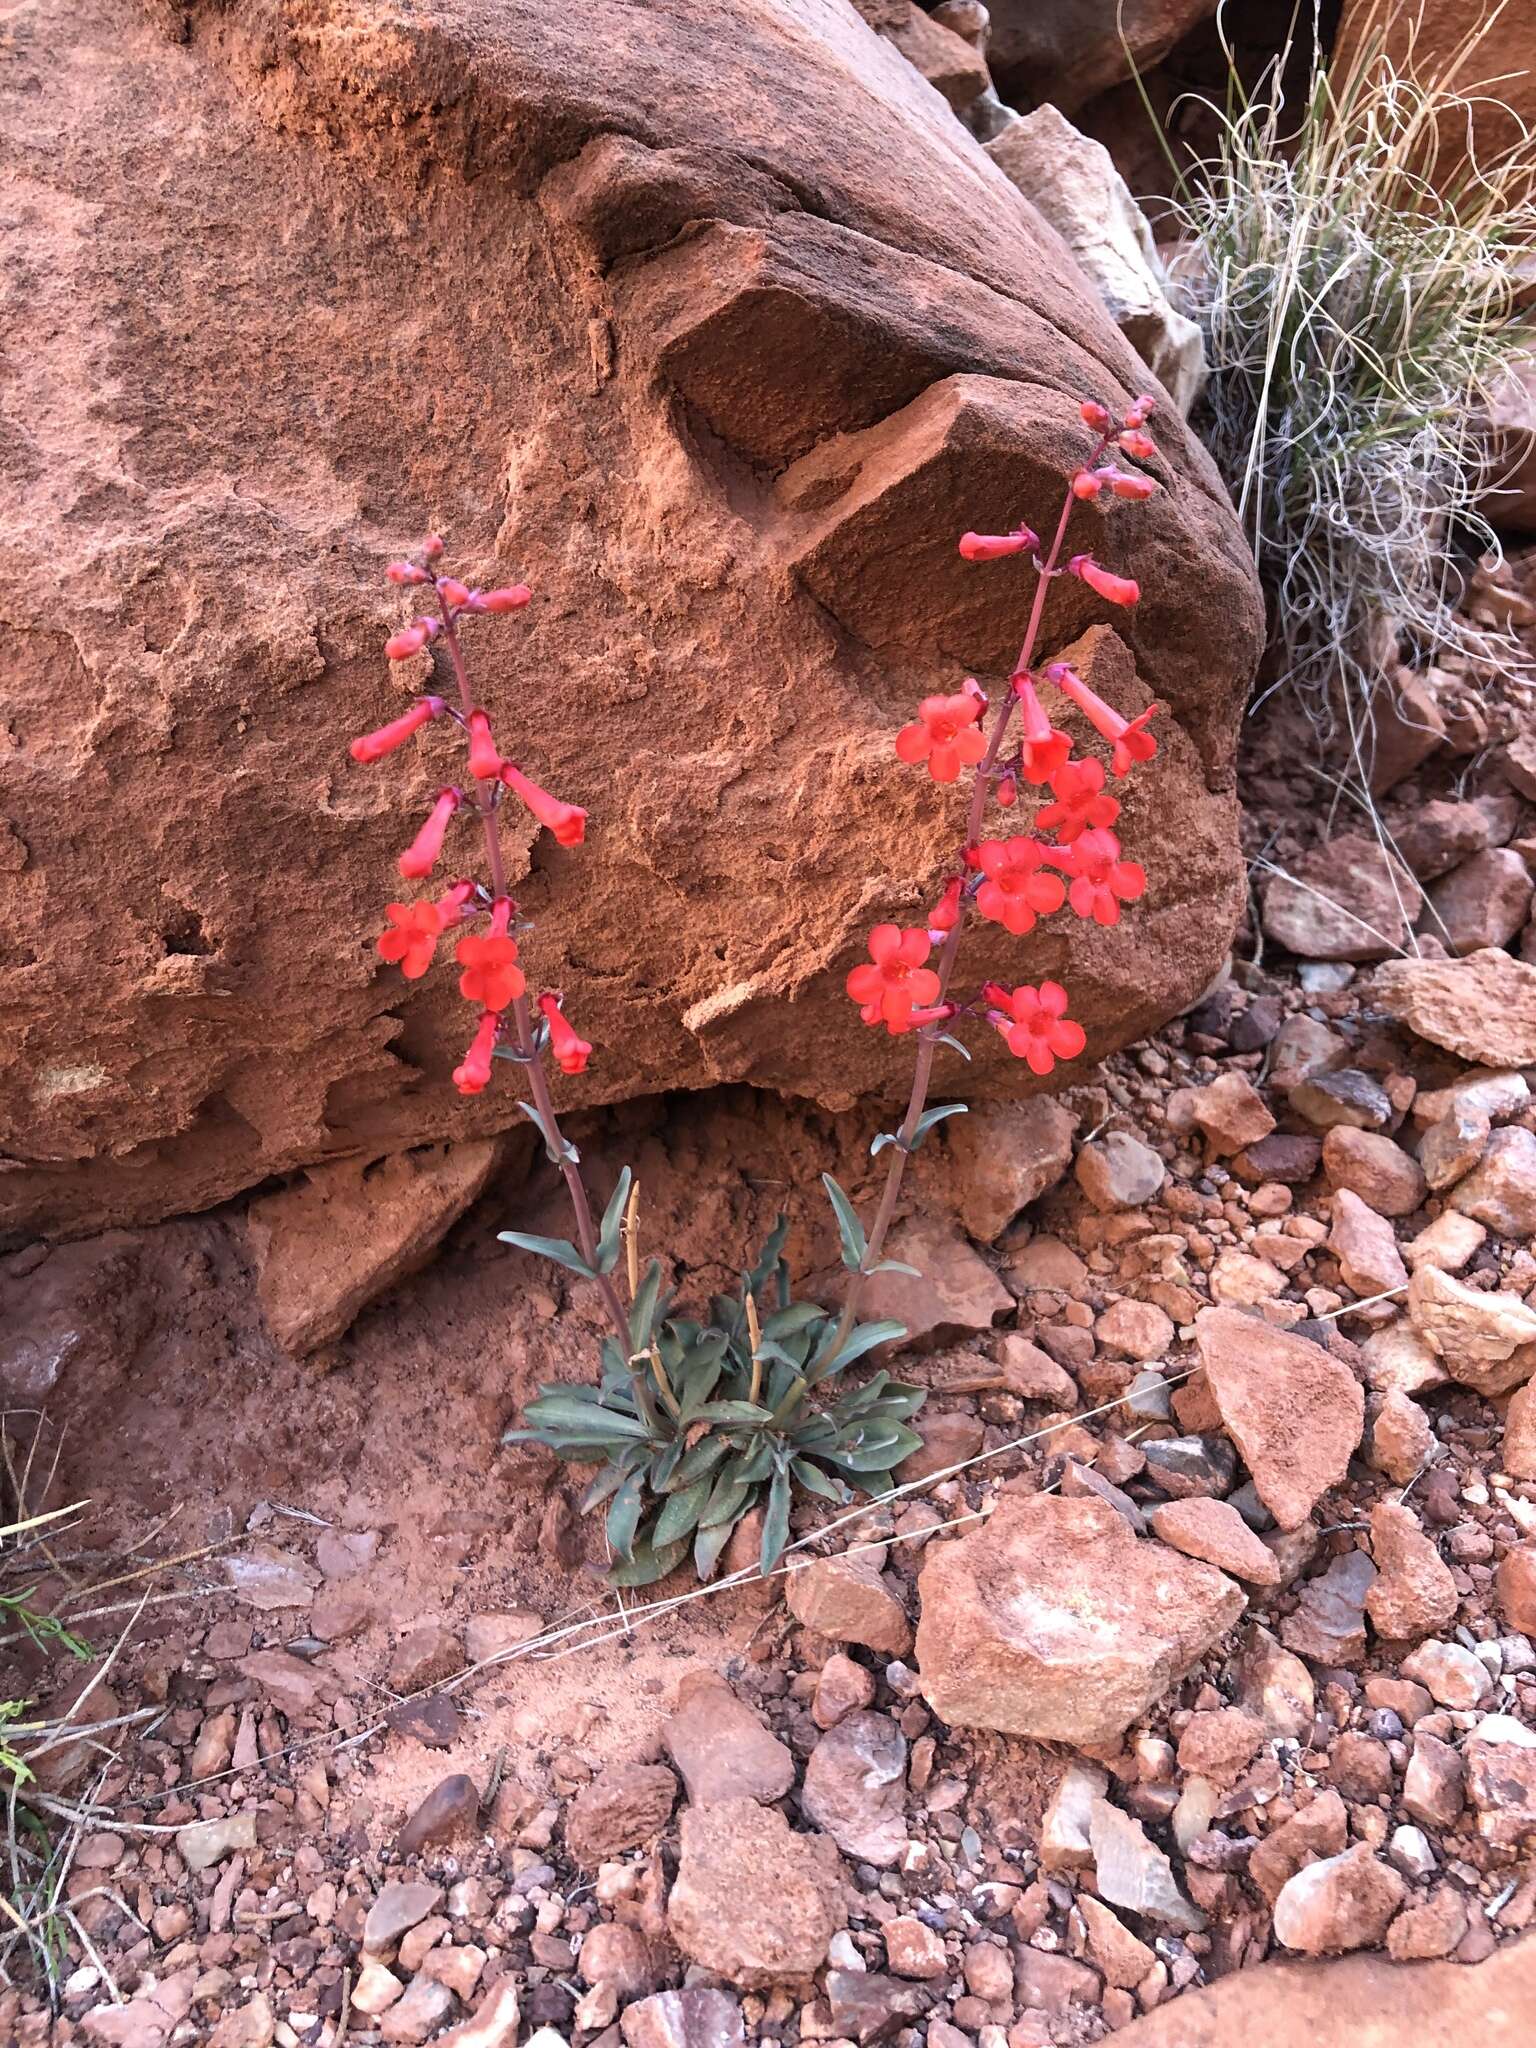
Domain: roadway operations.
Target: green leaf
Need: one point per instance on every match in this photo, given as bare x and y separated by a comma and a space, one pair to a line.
704, 1457
577, 1418
647, 1565
558, 1149
665, 1463
930, 1117
878, 1143
560, 1249
642, 1316
730, 1495
609, 1237
768, 1258
680, 1511
624, 1515
863, 1337
775, 1520
732, 1411
608, 1481
895, 1266
757, 1463
785, 1322
814, 1480
850, 1229
707, 1547
948, 1038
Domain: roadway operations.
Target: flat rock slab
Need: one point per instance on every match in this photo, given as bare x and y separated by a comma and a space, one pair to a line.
1482, 1007
1359, 2002
1295, 1412
754, 1902
1055, 1620
722, 1747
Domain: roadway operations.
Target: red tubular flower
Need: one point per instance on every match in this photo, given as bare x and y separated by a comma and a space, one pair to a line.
1016, 890
1136, 443
570, 1052
412, 939
420, 857
475, 1070
945, 734
945, 914
1129, 737
1113, 589
450, 905
992, 547
1101, 880
432, 547
1035, 1024
373, 746
1133, 483
568, 822
411, 639
510, 599
405, 572
894, 981
1044, 748
491, 977
1140, 412
1080, 801
1095, 415
484, 761
1088, 483
451, 590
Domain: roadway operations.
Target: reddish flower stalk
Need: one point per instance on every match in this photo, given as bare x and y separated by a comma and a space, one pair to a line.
491, 978
1011, 879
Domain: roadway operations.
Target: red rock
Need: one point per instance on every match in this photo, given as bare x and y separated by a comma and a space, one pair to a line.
1454, 1676
1345, 900
1500, 1191
1319, 1829
1215, 1532
1118, 1171
1433, 1786
1501, 1781
1344, 1902
851, 1598
1429, 1927
1371, 1166
1037, 54
625, 1806
1229, 1111
855, 1788
1515, 1588
920, 316
1486, 1341
1124, 1960
1483, 903
1400, 1438
695, 2017
721, 1746
1365, 1246
1363, 2001
912, 1948
997, 1159
1517, 1454
1413, 1592
953, 1293
1482, 1008
754, 1902
841, 1688
1294, 1412
951, 1437
1054, 1620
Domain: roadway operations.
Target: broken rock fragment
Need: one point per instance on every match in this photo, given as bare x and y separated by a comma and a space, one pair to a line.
1294, 1411
1055, 1620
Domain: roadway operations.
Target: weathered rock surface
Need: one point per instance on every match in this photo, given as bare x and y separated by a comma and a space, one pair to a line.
722, 1747
1294, 1411
1413, 1592
1054, 1620
578, 235
1066, 54
1346, 900
1343, 1902
1072, 181
343, 1234
1486, 1341
855, 1788
851, 1598
1482, 1007
624, 1807
1357, 2002
754, 1902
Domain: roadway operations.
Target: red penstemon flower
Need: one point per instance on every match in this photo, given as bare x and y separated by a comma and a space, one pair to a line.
411, 937
893, 981
1129, 738
1035, 1025
411, 639
1081, 801
945, 735
485, 764
1101, 880
1044, 748
373, 746
1113, 589
420, 857
491, 976
945, 914
993, 547
1017, 889
568, 822
474, 1071
570, 1052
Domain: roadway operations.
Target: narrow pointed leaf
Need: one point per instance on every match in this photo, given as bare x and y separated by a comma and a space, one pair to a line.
775, 1520
610, 1236
643, 1315
930, 1117
624, 1515
850, 1229
560, 1249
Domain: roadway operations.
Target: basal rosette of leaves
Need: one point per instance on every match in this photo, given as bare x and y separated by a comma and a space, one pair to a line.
702, 1423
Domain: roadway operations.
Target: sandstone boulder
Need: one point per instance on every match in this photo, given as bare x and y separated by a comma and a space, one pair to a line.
535, 249
1067, 52
1055, 1620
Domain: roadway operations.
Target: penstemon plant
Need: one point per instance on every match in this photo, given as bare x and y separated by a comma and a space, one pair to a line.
696, 1425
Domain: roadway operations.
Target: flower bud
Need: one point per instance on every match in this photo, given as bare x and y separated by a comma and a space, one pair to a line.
408, 641
373, 746
945, 914
472, 1075
451, 590
511, 599
1143, 409
1008, 792
484, 761
432, 547
1136, 443
1087, 483
570, 1053
1095, 415
405, 572
1113, 589
1133, 484
992, 547
420, 857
